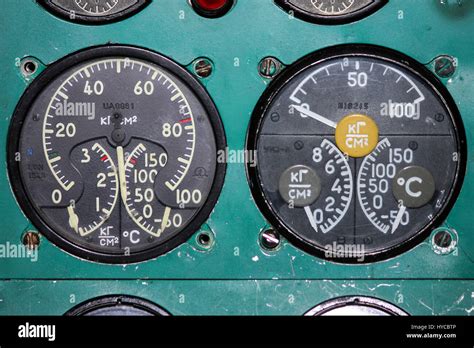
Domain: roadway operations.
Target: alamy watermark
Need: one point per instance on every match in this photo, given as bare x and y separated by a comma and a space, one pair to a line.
237, 156
345, 251
18, 251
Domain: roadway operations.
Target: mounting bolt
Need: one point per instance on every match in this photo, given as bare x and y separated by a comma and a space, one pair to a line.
269, 67
31, 240
205, 240
28, 67
444, 241
270, 239
203, 67
445, 66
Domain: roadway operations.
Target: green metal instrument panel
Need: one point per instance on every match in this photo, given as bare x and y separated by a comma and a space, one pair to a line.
218, 264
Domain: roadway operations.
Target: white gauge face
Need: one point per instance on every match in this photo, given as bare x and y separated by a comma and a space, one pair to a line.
120, 154
355, 151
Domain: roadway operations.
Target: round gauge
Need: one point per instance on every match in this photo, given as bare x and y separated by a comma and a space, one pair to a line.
360, 153
356, 306
94, 11
117, 306
331, 11
113, 154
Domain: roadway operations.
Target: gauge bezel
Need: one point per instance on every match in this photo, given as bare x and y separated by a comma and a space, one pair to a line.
364, 301
319, 57
93, 20
55, 70
331, 20
108, 301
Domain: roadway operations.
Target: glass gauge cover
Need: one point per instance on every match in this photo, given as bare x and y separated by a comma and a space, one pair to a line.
113, 154
360, 151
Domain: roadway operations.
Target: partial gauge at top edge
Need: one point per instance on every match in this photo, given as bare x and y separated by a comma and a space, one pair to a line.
331, 11
361, 153
117, 305
94, 11
118, 149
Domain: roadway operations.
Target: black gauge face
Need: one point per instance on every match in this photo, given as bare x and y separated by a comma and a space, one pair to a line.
331, 11
356, 306
94, 11
113, 154
118, 306
361, 152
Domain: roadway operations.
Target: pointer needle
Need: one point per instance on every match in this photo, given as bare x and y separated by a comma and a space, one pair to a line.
314, 116
398, 219
121, 172
73, 218
310, 216
165, 219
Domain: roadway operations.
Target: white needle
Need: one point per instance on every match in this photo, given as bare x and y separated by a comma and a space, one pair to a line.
315, 116
121, 172
310, 216
398, 219
73, 218
165, 219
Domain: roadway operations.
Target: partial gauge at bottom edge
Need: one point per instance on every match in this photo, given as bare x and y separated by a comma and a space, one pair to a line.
356, 306
118, 154
361, 152
117, 305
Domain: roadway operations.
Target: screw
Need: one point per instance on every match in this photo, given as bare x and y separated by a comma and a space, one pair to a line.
28, 67
413, 145
31, 240
275, 117
203, 67
445, 66
439, 117
270, 239
205, 240
299, 145
444, 242
443, 239
269, 67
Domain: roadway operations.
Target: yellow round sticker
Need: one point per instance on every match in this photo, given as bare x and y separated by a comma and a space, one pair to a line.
357, 135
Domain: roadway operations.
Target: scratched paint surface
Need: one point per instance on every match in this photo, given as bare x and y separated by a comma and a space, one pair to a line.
240, 297
236, 43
